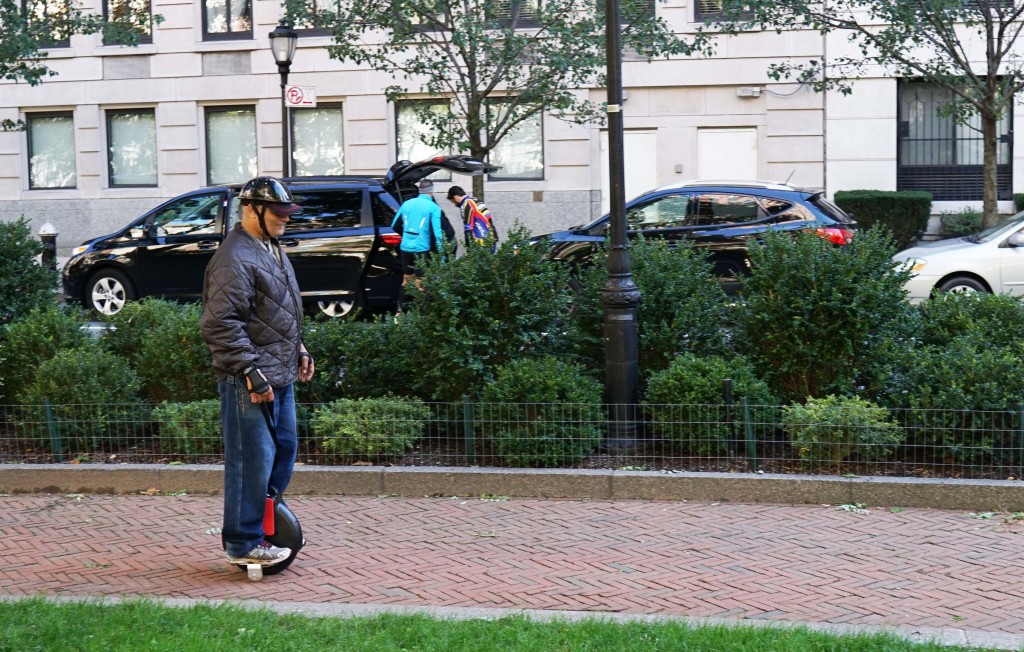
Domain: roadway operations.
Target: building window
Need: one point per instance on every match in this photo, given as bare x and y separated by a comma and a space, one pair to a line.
227, 19
121, 11
413, 134
521, 152
230, 144
305, 24
706, 11
131, 144
318, 144
47, 22
941, 156
51, 150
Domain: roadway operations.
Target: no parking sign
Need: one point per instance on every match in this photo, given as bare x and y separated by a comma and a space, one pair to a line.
300, 95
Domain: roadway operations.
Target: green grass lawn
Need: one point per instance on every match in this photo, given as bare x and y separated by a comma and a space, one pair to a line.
38, 625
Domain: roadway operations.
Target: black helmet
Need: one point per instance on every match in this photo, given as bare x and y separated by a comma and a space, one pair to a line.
271, 192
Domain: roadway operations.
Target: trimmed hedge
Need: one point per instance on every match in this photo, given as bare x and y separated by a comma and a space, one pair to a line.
904, 213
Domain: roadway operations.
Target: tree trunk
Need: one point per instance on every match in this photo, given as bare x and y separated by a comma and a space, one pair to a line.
990, 170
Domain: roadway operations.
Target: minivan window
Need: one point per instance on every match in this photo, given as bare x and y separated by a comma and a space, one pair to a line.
330, 209
194, 215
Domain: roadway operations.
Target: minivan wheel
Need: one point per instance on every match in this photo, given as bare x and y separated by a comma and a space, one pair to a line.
964, 284
338, 308
107, 292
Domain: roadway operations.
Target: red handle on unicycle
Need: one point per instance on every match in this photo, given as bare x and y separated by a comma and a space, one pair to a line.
268, 517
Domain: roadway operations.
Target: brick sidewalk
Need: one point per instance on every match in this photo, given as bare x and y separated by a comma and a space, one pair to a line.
910, 568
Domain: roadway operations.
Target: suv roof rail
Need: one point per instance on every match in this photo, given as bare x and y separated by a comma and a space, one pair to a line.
769, 185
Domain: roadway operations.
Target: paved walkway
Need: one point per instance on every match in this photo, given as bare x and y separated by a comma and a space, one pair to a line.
942, 573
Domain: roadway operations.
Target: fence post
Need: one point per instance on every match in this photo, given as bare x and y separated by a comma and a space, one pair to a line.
54, 433
468, 431
730, 443
1020, 447
748, 430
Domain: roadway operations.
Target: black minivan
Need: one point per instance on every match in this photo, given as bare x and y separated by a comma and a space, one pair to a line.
341, 244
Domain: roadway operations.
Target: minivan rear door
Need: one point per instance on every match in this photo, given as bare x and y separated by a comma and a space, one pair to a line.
401, 179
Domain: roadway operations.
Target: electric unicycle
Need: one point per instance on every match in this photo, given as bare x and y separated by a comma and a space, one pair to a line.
283, 530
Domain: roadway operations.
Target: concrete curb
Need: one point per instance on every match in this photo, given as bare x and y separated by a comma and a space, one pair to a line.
572, 484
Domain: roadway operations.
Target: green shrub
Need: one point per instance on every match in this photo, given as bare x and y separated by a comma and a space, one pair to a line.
478, 312
162, 342
904, 214
685, 403
820, 319
94, 399
33, 338
378, 428
962, 398
961, 222
189, 428
356, 359
542, 412
995, 318
827, 431
1018, 201
24, 284
682, 306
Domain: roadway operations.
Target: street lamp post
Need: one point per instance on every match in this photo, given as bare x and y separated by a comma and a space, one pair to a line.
620, 295
282, 44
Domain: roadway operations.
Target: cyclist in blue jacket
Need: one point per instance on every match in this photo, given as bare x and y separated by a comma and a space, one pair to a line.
419, 220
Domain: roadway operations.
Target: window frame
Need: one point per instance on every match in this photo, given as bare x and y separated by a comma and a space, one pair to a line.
228, 35
108, 116
213, 109
29, 117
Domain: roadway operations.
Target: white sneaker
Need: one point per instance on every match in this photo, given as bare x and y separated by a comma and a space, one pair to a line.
264, 554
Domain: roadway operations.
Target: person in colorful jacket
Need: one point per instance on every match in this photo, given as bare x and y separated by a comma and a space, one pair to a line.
477, 221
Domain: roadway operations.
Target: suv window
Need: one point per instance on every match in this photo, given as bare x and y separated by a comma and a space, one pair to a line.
715, 209
667, 210
329, 209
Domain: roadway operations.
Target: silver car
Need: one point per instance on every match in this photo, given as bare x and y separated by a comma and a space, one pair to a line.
991, 260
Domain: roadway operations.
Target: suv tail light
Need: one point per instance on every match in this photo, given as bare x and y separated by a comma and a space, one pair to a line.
835, 235
391, 239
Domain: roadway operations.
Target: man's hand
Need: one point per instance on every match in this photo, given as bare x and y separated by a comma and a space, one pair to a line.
306, 366
259, 388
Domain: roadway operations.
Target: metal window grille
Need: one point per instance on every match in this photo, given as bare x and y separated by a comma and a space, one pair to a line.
941, 156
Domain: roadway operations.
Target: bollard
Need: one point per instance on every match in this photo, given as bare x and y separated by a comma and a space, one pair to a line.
48, 236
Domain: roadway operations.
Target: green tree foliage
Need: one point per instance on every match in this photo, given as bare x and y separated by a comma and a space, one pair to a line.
523, 57
822, 319
970, 49
26, 284
26, 27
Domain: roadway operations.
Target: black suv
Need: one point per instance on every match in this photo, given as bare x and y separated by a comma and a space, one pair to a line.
718, 217
341, 244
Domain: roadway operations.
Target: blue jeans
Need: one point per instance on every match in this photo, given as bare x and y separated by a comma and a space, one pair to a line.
260, 441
